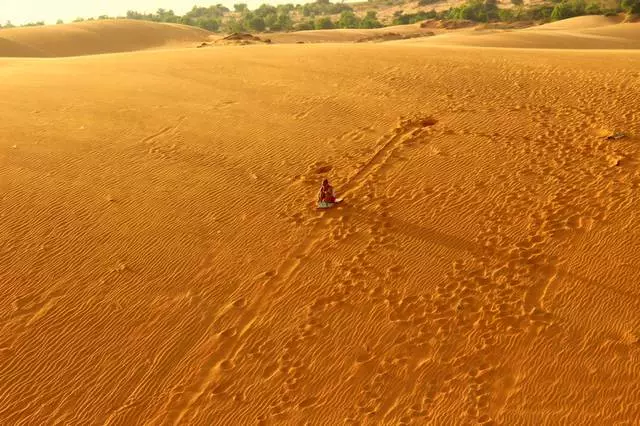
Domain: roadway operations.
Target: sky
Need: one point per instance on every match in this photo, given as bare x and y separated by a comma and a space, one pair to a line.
23, 11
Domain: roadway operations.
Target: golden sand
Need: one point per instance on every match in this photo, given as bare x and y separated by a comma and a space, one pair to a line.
162, 262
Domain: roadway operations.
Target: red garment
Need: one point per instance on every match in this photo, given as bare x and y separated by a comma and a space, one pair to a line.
326, 194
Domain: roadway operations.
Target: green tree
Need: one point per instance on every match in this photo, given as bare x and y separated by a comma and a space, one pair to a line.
265, 10
59, 22
234, 26
256, 24
505, 15
285, 22
348, 19
370, 20
324, 23
562, 11
240, 7
209, 24
593, 9
631, 6
304, 26
185, 20
285, 8
271, 22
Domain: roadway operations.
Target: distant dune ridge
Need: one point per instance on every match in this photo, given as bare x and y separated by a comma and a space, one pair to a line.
162, 260
94, 37
584, 32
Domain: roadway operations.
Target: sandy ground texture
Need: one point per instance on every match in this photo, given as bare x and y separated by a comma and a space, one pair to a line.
162, 261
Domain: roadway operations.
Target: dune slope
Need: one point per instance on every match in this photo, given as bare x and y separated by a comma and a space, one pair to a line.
94, 37
586, 32
163, 262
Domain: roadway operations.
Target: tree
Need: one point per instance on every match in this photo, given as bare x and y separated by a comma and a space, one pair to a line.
631, 6
256, 24
505, 15
304, 26
285, 22
265, 10
59, 22
132, 14
593, 9
324, 23
240, 7
185, 20
285, 8
562, 11
370, 20
348, 19
234, 26
209, 24
490, 10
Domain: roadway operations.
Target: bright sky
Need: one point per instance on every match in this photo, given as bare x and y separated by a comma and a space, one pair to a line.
22, 11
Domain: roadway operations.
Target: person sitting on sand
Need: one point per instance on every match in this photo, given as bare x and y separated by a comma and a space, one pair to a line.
326, 193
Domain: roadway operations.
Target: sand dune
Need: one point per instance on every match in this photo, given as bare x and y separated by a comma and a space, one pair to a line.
94, 37
162, 261
580, 23
590, 32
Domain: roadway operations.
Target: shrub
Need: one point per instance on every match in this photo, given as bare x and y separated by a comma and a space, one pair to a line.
426, 2
412, 18
505, 15
631, 6
304, 26
324, 7
569, 9
593, 9
517, 2
370, 20
265, 10
348, 19
324, 23
256, 24
209, 24
285, 22
234, 26
541, 12
475, 10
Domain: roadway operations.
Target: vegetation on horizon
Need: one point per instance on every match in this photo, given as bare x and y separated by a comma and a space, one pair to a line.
322, 14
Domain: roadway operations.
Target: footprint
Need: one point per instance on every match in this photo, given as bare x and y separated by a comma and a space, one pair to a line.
309, 402
230, 332
240, 303
227, 364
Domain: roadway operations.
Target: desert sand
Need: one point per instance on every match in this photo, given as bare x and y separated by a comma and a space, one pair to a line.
162, 260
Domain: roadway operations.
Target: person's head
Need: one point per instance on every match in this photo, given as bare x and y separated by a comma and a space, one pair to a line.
325, 182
